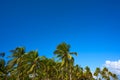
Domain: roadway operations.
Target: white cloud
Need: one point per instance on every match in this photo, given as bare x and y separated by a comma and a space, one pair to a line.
114, 66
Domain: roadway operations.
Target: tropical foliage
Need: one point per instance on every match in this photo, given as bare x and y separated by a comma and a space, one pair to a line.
24, 65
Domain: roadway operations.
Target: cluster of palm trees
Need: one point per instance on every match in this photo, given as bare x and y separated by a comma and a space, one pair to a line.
24, 65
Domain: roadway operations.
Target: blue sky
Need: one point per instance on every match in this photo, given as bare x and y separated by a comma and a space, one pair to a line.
91, 27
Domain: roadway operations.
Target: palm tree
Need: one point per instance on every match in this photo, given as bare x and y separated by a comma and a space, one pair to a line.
106, 74
63, 53
17, 61
32, 63
4, 70
114, 76
97, 72
77, 72
88, 73
51, 69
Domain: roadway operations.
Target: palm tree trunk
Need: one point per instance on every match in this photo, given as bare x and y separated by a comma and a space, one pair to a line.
70, 76
70, 73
